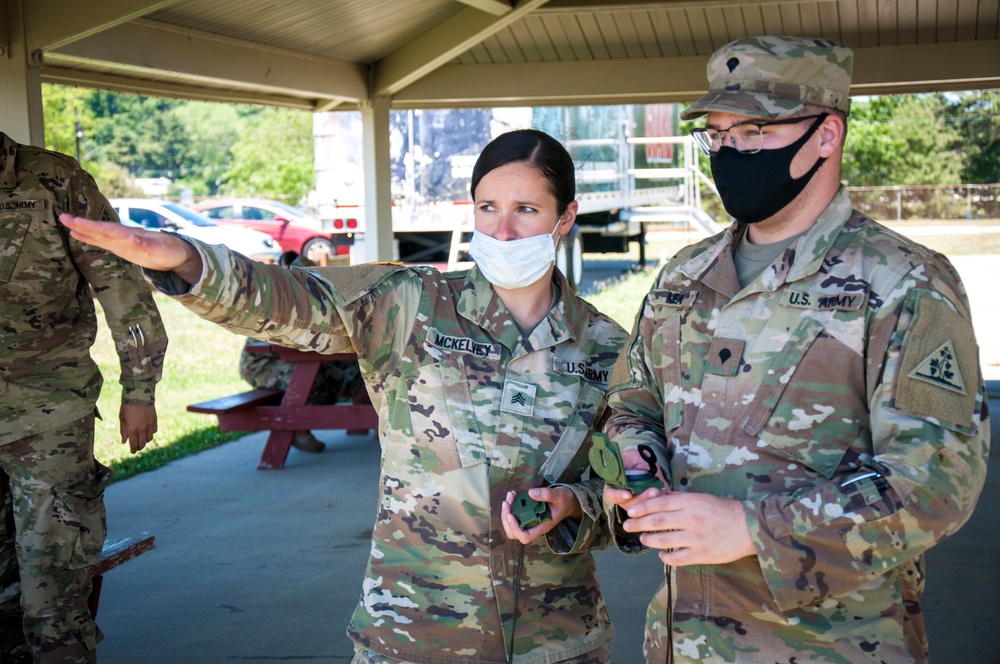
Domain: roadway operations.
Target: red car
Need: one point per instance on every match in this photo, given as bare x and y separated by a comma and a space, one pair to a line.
291, 228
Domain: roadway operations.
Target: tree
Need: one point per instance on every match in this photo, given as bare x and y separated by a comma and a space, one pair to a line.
211, 130
871, 146
899, 140
976, 117
63, 107
273, 157
139, 133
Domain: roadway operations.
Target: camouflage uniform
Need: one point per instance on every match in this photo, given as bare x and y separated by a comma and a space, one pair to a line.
838, 395
336, 380
468, 410
52, 486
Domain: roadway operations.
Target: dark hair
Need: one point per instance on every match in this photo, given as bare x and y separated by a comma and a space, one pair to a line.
536, 148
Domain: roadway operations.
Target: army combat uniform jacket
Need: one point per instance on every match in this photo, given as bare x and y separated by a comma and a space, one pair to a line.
47, 377
468, 410
839, 397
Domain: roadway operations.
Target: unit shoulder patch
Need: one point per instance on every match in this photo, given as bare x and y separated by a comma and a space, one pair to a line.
941, 368
938, 365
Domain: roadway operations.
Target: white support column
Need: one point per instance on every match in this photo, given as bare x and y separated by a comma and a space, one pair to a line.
378, 180
21, 115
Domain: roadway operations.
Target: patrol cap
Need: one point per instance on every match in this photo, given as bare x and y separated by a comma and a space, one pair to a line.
774, 77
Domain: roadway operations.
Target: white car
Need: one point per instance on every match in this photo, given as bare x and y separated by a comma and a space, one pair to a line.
156, 215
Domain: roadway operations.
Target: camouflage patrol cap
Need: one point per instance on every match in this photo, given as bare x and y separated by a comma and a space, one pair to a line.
774, 77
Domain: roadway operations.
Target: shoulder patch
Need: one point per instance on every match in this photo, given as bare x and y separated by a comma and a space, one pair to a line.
941, 368
939, 360
352, 281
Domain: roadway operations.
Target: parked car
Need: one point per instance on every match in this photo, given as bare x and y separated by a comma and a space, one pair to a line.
291, 228
157, 215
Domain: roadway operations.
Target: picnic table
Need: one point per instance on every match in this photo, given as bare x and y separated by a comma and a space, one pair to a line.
284, 413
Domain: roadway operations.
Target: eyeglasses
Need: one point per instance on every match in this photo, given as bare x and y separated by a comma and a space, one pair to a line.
747, 137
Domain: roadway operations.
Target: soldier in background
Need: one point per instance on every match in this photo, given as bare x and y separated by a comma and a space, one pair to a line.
809, 381
265, 370
52, 518
486, 382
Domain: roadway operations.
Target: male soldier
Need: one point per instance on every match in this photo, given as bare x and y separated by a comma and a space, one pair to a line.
809, 382
51, 487
266, 370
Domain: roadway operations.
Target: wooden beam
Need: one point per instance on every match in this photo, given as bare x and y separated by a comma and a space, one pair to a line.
564, 83
135, 85
443, 43
882, 70
495, 7
156, 47
573, 6
54, 23
925, 67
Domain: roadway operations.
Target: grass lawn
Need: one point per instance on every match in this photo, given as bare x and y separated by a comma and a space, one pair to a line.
202, 359
202, 363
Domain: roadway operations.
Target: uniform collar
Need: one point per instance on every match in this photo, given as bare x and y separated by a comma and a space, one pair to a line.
480, 304
8, 160
716, 269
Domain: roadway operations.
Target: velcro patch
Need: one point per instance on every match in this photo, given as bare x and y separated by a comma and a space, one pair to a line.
518, 398
824, 301
462, 345
23, 205
352, 281
675, 298
724, 356
941, 368
582, 369
938, 360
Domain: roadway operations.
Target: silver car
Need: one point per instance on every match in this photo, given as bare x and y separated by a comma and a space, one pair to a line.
157, 215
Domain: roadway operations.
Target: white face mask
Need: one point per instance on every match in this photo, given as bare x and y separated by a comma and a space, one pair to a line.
513, 263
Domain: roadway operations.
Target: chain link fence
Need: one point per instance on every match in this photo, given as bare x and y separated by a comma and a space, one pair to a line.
932, 201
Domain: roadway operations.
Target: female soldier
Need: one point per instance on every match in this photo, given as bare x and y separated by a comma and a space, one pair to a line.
486, 383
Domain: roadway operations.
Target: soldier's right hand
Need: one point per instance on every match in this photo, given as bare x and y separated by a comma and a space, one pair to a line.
623, 497
155, 251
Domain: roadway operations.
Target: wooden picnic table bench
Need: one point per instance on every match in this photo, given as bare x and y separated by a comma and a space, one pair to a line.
284, 413
115, 552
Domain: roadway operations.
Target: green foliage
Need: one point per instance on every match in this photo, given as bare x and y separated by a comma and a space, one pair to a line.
63, 107
976, 117
139, 133
273, 157
207, 148
924, 139
211, 130
114, 181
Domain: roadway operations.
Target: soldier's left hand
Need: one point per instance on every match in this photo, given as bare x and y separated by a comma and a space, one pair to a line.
138, 424
692, 528
562, 504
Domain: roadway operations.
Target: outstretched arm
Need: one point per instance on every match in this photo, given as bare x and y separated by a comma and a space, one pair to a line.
155, 251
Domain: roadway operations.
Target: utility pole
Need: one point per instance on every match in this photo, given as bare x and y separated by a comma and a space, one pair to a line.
79, 133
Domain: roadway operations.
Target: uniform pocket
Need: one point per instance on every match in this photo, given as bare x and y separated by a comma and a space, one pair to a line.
445, 428
13, 230
590, 406
78, 542
810, 403
669, 308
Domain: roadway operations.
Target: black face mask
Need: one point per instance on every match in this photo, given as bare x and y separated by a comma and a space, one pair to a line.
754, 187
